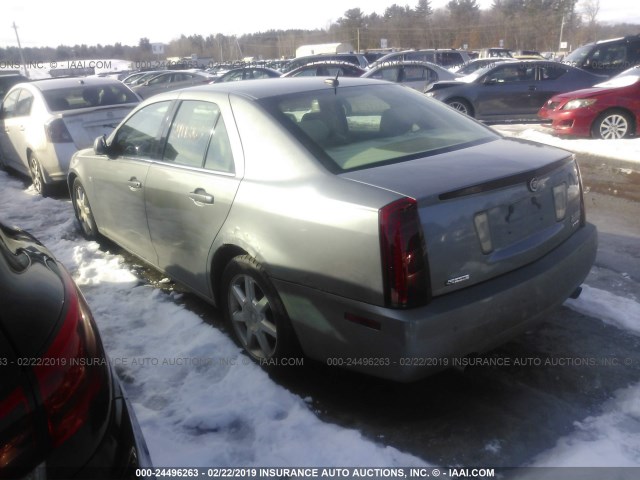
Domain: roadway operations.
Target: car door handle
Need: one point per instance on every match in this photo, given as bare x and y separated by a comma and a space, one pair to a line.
532, 88
134, 184
200, 195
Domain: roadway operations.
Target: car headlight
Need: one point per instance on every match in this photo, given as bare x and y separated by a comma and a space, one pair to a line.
579, 103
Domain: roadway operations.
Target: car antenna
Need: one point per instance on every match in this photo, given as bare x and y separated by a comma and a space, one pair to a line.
333, 81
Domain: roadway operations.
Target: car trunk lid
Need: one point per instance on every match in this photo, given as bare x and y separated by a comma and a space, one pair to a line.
85, 125
488, 209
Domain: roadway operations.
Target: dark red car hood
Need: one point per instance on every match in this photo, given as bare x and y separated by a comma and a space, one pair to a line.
595, 92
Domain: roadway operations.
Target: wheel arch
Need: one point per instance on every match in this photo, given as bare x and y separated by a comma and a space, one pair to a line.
220, 260
462, 99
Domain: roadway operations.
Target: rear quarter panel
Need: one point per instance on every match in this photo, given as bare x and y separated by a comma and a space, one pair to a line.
304, 224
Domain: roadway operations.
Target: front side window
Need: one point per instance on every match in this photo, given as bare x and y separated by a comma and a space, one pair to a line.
609, 56
351, 128
140, 135
512, 73
391, 74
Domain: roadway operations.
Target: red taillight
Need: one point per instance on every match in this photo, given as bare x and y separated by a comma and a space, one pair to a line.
404, 268
73, 374
17, 431
56, 131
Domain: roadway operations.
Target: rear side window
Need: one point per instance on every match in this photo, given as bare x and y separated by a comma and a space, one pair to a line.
609, 56
198, 137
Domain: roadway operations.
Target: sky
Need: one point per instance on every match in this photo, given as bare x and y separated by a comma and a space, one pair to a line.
210, 413
73, 22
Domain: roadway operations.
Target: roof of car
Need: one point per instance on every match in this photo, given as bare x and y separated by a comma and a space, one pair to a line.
264, 88
69, 82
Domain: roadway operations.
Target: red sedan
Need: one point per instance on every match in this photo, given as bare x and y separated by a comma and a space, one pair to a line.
607, 110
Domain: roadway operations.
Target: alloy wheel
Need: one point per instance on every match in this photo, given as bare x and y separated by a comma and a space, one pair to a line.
613, 126
252, 317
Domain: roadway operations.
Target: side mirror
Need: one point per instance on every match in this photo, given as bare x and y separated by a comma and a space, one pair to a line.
100, 145
489, 81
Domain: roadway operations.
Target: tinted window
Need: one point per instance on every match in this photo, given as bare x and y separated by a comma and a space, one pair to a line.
634, 52
140, 135
609, 56
83, 96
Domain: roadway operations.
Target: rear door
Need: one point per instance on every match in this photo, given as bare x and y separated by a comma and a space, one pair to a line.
189, 192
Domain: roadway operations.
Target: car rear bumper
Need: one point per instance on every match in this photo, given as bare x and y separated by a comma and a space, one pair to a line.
405, 345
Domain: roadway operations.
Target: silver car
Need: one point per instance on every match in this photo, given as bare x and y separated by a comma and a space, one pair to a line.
410, 73
44, 122
359, 221
169, 80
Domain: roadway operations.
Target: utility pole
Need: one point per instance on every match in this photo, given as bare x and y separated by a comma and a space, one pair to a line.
561, 30
24, 64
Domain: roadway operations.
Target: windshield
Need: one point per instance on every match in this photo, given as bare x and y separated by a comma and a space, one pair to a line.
360, 127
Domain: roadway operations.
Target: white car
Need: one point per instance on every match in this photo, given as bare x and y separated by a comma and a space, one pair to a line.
44, 122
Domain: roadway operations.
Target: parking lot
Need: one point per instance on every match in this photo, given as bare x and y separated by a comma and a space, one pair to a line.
560, 395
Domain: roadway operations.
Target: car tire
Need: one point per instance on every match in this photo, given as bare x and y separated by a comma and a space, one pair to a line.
37, 176
254, 312
612, 125
461, 105
82, 209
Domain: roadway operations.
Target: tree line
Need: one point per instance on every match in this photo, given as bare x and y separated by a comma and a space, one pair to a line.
517, 24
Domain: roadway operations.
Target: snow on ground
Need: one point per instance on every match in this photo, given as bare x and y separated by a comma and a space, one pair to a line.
627, 149
201, 403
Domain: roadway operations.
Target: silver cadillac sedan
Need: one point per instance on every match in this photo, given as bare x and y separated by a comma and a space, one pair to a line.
353, 220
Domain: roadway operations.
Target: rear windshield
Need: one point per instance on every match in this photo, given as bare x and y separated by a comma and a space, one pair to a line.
84, 96
350, 128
